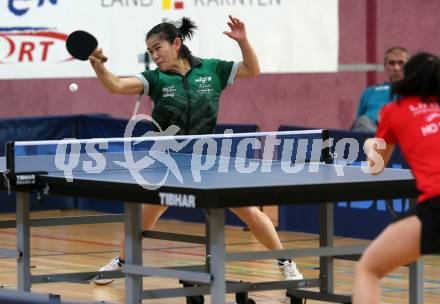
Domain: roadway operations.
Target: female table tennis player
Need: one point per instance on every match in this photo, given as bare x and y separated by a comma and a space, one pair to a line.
413, 122
173, 88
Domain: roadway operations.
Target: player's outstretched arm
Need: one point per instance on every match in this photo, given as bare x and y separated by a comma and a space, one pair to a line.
113, 83
378, 154
249, 67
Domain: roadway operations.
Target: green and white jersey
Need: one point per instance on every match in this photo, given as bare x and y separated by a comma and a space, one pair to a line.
191, 101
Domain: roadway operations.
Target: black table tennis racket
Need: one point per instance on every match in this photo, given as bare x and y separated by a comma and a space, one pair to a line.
81, 44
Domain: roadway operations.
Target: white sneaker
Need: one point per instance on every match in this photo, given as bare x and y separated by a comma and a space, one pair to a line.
289, 270
114, 264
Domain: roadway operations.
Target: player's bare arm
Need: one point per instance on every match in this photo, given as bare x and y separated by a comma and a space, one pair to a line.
249, 67
113, 83
378, 154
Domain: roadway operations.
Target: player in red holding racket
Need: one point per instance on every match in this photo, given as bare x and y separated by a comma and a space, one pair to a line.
413, 122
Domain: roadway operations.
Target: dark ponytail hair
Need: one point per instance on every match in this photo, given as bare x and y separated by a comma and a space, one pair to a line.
421, 78
169, 32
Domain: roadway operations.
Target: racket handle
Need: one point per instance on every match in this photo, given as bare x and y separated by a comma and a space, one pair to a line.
103, 58
100, 55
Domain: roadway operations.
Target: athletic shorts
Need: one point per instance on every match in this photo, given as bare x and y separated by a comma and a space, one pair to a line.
429, 214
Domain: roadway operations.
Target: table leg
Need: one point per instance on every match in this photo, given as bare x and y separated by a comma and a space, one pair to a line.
415, 276
133, 251
326, 232
216, 243
23, 241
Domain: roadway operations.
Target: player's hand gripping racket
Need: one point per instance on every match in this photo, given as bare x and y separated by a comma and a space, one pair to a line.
81, 44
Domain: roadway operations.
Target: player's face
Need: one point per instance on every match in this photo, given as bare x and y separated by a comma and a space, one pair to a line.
163, 53
394, 65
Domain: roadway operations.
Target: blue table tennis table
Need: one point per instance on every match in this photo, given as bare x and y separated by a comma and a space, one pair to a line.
213, 183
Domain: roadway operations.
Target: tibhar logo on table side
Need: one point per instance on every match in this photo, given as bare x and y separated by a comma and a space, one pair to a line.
177, 200
162, 144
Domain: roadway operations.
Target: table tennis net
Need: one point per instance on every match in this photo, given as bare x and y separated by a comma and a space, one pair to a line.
147, 152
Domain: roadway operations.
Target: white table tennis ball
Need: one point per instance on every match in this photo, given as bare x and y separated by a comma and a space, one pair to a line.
73, 87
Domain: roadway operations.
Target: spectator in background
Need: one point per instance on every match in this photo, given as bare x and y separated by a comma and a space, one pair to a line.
375, 97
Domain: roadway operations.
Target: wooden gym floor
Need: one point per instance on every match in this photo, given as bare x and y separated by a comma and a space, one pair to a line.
88, 247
